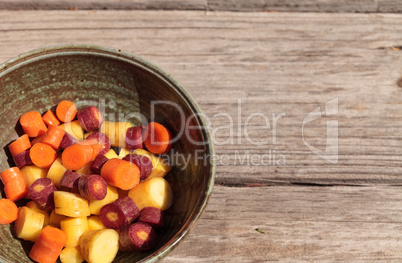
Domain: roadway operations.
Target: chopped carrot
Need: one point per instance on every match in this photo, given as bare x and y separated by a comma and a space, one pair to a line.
9, 211
50, 119
66, 111
122, 174
37, 139
54, 136
14, 184
76, 156
20, 145
157, 138
32, 123
95, 145
48, 245
42, 155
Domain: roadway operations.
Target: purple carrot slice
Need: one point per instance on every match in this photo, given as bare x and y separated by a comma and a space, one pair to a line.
70, 179
90, 118
67, 141
120, 213
42, 192
134, 138
92, 187
143, 163
98, 162
138, 237
152, 216
22, 159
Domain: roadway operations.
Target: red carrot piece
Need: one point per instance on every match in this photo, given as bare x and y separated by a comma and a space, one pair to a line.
119, 213
67, 141
22, 159
157, 138
32, 124
66, 111
92, 187
20, 145
152, 216
138, 237
9, 211
70, 179
134, 137
90, 118
50, 119
42, 192
42, 155
98, 163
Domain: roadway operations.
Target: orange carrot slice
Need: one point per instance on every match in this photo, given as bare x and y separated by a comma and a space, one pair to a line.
54, 136
8, 211
76, 156
20, 145
32, 123
120, 173
50, 119
157, 138
66, 111
14, 184
95, 145
42, 155
48, 245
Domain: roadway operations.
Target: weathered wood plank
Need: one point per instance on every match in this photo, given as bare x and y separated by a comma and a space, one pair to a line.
275, 63
355, 6
103, 4
301, 224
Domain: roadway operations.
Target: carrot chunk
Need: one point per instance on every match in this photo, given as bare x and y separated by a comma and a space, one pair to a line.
9, 211
50, 119
14, 184
20, 145
48, 245
53, 136
120, 173
66, 111
42, 155
32, 124
157, 138
76, 156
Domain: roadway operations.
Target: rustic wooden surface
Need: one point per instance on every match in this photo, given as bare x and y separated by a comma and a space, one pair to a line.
349, 6
310, 210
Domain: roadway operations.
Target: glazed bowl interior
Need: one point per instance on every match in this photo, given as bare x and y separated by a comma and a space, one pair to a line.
124, 87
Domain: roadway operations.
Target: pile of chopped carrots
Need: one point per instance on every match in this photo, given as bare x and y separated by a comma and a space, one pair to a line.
65, 164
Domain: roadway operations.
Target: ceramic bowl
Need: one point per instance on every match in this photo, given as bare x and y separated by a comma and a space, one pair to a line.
126, 87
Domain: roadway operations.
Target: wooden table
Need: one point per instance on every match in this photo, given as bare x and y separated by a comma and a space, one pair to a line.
271, 57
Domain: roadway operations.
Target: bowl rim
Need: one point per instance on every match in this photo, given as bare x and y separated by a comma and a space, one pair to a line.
189, 100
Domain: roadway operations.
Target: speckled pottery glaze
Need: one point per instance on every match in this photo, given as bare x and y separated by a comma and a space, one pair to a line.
122, 85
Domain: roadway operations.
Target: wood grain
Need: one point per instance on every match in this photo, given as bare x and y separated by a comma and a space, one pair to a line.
301, 224
288, 63
355, 6
274, 63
